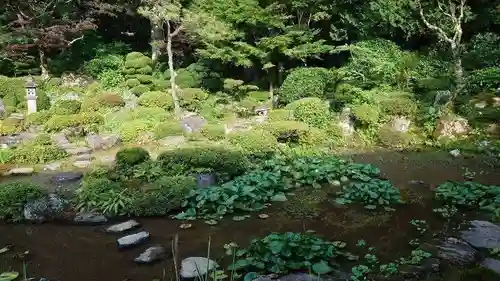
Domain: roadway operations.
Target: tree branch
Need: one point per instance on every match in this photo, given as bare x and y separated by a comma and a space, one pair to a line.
440, 31
176, 31
74, 40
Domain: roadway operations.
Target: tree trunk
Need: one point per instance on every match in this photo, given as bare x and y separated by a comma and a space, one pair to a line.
458, 73
157, 38
44, 68
173, 86
271, 94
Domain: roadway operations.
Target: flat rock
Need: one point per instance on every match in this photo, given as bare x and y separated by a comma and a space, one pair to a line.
67, 146
44, 208
299, 277
96, 142
89, 218
172, 141
457, 252
491, 264
132, 240
82, 164
52, 166
79, 150
66, 177
60, 139
84, 157
124, 226
482, 234
151, 255
194, 267
20, 171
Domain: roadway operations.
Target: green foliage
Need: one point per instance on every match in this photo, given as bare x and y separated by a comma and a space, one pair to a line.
285, 252
156, 99
57, 123
131, 83
255, 142
36, 153
294, 133
312, 111
192, 99
14, 195
275, 115
483, 79
167, 129
38, 118
213, 132
470, 194
99, 65
484, 51
66, 107
219, 159
140, 89
129, 157
393, 139
270, 181
305, 82
367, 114
111, 78
260, 96
105, 100
370, 192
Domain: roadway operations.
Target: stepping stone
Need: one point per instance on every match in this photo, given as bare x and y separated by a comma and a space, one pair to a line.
79, 150
482, 234
82, 164
89, 218
124, 226
67, 145
20, 171
194, 267
491, 264
132, 240
66, 177
52, 166
60, 139
84, 157
151, 254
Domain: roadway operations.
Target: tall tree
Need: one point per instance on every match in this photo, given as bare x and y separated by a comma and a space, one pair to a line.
47, 25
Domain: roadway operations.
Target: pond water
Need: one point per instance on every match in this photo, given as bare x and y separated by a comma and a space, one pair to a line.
86, 253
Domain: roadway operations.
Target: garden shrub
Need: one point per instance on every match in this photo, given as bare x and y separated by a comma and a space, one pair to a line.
66, 107
398, 104
101, 64
131, 83
280, 115
371, 193
156, 99
393, 139
104, 100
105, 196
312, 111
140, 89
38, 118
129, 157
260, 96
314, 137
132, 131
192, 98
32, 153
168, 129
254, 142
160, 85
111, 78
286, 131
9, 129
213, 132
57, 123
304, 82
144, 79
219, 159
366, 114
149, 117
483, 79
13, 197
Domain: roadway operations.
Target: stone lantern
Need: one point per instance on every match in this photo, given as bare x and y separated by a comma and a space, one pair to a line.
31, 95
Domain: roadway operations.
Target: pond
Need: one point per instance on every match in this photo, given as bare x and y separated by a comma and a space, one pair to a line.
87, 253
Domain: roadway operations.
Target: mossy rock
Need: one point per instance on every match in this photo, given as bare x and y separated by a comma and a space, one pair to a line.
140, 89
134, 55
133, 82
144, 79
156, 99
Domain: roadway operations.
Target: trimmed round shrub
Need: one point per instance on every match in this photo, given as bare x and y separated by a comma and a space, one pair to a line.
105, 100
314, 137
66, 107
132, 131
161, 85
304, 82
133, 56
131, 83
280, 115
256, 142
140, 89
213, 132
138, 63
167, 129
219, 159
147, 70
312, 111
144, 79
129, 157
13, 197
156, 99
192, 98
366, 114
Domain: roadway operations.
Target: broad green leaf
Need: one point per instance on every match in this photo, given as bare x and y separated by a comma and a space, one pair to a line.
9, 276
321, 268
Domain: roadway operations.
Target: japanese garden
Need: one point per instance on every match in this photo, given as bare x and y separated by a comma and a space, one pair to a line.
250, 140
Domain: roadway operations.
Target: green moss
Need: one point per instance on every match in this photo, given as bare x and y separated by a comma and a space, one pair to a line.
134, 55
140, 89
261, 96
306, 204
166, 129
213, 132
13, 197
156, 99
66, 107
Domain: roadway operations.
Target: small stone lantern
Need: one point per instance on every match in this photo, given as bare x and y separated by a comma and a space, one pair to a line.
31, 95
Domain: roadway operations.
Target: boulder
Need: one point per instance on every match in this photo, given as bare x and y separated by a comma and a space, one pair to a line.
20, 171
346, 121
151, 255
457, 252
194, 267
89, 218
78, 150
491, 264
132, 240
482, 234
124, 226
192, 124
97, 142
82, 164
400, 124
451, 127
45, 208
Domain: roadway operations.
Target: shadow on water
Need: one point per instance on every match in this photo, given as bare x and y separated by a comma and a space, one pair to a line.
83, 253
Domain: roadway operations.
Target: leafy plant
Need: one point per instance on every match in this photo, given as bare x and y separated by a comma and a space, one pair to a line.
371, 193
281, 253
14, 195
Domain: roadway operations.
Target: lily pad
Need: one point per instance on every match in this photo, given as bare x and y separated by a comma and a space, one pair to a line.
239, 218
4, 249
321, 268
9, 276
211, 222
279, 198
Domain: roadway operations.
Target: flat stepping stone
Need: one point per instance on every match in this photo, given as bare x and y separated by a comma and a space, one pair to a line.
89, 218
194, 267
67, 145
66, 177
491, 264
20, 171
84, 157
82, 164
132, 240
124, 226
79, 150
482, 234
151, 255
